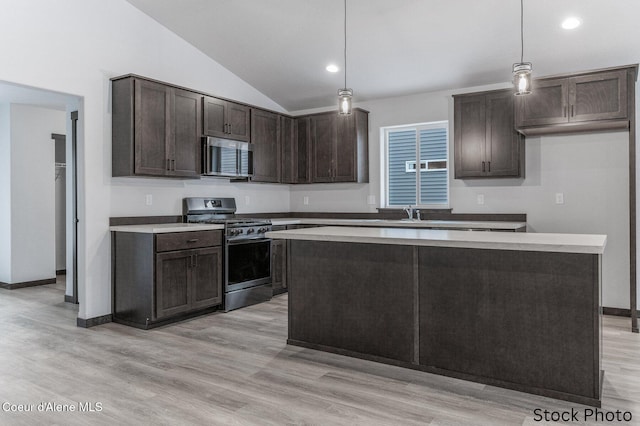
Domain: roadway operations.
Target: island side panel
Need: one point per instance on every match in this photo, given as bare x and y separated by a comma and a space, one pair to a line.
527, 320
352, 297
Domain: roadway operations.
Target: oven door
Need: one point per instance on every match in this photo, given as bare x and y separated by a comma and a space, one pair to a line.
248, 263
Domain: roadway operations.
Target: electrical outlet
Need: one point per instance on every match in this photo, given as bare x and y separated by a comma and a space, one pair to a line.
305, 200
371, 200
559, 198
480, 199
148, 199
247, 200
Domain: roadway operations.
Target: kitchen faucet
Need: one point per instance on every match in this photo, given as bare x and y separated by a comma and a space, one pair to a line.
409, 211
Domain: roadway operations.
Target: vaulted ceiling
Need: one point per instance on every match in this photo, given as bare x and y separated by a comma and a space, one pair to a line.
397, 47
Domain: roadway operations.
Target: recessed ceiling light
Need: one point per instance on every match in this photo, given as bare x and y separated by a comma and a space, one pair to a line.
332, 68
571, 23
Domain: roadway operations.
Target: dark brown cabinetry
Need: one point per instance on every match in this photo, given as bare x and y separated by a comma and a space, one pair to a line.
155, 129
589, 101
302, 149
339, 147
265, 137
226, 119
486, 142
279, 263
163, 277
288, 149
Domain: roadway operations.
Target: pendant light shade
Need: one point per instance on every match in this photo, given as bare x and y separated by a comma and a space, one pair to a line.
522, 70
522, 78
345, 95
344, 101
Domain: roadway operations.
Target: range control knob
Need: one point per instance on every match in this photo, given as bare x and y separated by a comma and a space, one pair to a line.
250, 231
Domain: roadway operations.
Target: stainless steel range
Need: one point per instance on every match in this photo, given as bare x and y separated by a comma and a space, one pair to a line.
247, 254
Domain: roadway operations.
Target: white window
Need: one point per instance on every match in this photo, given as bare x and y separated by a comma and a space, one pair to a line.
415, 160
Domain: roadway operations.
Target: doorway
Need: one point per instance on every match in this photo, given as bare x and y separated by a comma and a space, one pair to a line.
21, 106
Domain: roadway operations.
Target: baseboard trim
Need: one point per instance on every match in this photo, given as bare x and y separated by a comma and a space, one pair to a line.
92, 322
24, 284
61, 272
618, 312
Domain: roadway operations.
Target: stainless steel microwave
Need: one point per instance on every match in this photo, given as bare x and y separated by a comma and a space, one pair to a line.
226, 158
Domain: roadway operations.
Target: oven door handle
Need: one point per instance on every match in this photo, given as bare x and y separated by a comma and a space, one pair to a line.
248, 241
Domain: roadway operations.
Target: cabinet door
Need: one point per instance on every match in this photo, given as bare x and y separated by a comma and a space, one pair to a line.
206, 283
323, 140
302, 147
214, 123
470, 133
287, 147
547, 104
238, 120
601, 96
502, 146
278, 265
173, 274
266, 149
152, 128
345, 153
186, 130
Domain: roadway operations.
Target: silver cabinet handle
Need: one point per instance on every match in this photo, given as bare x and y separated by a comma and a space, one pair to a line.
489, 167
483, 166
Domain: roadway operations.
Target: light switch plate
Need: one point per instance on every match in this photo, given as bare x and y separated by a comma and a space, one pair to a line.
559, 198
480, 199
247, 200
305, 200
148, 199
371, 199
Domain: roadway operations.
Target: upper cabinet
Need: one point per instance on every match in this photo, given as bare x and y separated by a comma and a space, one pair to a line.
485, 141
288, 149
595, 100
226, 119
339, 147
265, 138
156, 129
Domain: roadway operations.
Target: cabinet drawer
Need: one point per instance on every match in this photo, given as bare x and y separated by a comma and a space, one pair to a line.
187, 240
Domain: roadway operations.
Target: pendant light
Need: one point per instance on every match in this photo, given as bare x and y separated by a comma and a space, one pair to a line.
522, 70
345, 95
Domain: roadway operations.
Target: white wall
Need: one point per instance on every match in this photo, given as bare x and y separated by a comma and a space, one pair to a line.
591, 170
75, 47
5, 193
33, 192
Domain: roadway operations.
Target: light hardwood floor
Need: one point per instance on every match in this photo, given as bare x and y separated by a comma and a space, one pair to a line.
236, 369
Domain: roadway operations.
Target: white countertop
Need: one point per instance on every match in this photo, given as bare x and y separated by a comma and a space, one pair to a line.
463, 224
566, 243
159, 228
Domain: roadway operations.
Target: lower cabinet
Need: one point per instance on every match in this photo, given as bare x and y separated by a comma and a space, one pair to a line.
279, 266
158, 278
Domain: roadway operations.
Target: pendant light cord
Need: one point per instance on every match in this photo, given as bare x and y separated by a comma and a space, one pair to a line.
521, 31
345, 44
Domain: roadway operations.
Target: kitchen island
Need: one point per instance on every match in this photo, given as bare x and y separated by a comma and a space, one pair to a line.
516, 310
